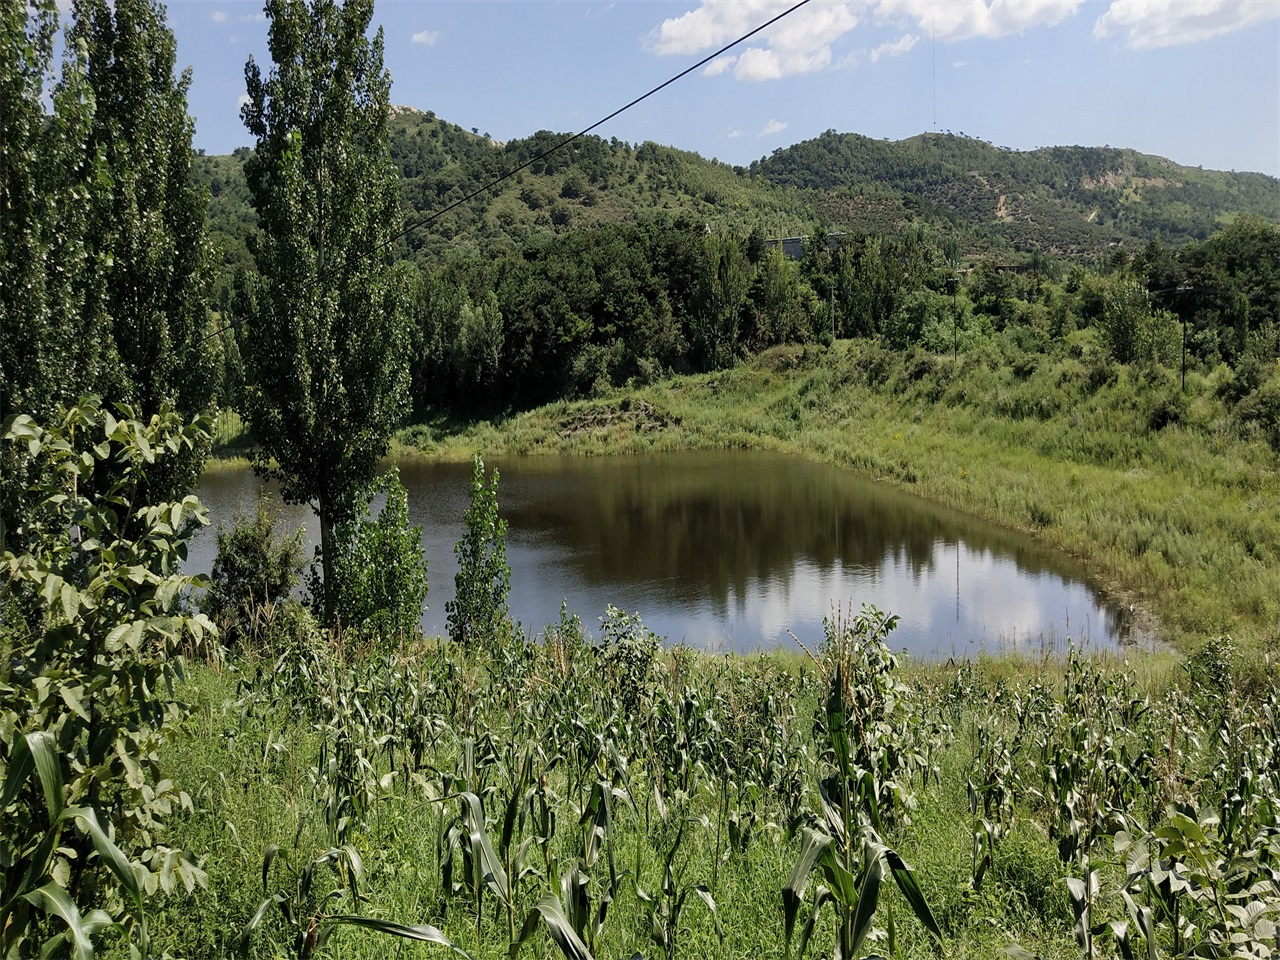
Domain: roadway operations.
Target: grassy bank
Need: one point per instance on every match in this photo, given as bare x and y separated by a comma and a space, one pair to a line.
1170, 502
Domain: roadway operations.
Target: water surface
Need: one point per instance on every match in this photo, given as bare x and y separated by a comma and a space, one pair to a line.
735, 550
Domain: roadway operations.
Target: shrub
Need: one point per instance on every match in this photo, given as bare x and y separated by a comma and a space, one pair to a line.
379, 571
255, 569
479, 606
88, 660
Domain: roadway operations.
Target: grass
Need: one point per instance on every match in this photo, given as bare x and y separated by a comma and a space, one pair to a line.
1170, 503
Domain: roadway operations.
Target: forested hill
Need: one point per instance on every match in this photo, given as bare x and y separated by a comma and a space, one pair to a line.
1061, 201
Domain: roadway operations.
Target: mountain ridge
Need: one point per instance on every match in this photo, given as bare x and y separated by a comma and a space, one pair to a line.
1065, 202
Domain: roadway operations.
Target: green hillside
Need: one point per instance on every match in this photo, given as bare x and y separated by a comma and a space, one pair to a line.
1075, 202
1065, 201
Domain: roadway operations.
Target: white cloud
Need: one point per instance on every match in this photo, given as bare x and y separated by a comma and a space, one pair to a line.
218, 16
242, 100
1147, 24
427, 38
772, 127
802, 42
713, 24
718, 66
258, 17
734, 134
895, 49
961, 64
799, 44
949, 20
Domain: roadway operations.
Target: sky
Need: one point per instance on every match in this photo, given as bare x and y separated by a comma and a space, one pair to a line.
1196, 81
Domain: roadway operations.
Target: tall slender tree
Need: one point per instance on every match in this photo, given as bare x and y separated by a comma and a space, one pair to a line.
52, 342
326, 343
151, 218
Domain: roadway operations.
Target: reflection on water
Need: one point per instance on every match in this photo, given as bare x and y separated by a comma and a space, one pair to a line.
731, 550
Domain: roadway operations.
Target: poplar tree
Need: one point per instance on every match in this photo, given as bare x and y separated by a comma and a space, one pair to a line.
149, 222
103, 260
326, 341
52, 342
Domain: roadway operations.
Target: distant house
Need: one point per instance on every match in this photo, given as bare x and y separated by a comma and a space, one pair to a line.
793, 247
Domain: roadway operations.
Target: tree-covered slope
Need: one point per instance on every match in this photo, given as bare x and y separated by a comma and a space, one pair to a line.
1059, 200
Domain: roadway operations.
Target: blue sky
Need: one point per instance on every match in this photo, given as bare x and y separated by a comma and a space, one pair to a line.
1197, 81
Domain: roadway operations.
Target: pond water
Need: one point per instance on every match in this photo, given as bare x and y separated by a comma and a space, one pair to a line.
734, 550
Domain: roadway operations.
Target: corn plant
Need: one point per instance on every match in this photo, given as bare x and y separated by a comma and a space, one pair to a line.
94, 633
303, 907
844, 845
992, 788
665, 906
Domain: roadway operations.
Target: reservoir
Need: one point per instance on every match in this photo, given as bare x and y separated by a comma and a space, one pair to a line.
734, 551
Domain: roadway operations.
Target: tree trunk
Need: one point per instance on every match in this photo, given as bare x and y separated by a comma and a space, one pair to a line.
326, 563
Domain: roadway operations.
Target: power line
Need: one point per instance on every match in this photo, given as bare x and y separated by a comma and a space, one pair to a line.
561, 145
582, 133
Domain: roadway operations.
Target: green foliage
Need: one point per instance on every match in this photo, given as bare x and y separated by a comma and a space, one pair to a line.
720, 294
326, 341
304, 909
54, 339
1126, 312
863, 727
92, 641
148, 225
253, 572
478, 611
381, 574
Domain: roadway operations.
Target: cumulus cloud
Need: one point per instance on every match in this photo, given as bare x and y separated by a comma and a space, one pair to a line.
772, 127
799, 44
719, 65
218, 16
1147, 24
427, 38
802, 42
895, 49
242, 100
950, 20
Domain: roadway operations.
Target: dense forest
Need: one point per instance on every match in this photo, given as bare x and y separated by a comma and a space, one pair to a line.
605, 264
1073, 202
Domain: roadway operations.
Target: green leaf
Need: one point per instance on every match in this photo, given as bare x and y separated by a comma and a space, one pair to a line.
71, 697
868, 898
110, 854
812, 847
21, 763
905, 878
246, 935
44, 750
562, 932
52, 899
422, 933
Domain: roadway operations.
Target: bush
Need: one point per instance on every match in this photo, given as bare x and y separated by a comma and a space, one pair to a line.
380, 573
89, 660
254, 571
479, 607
